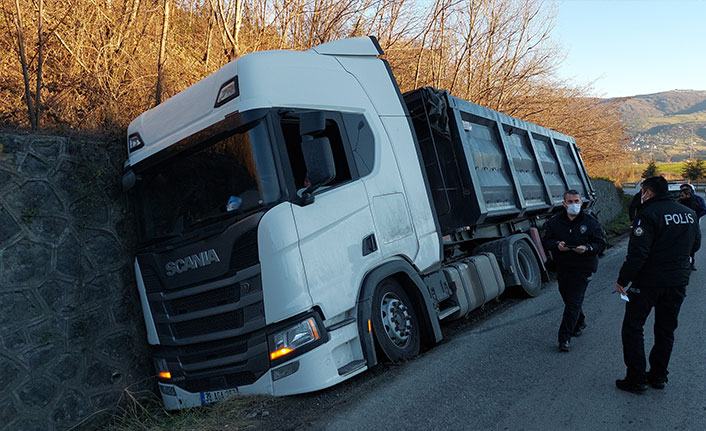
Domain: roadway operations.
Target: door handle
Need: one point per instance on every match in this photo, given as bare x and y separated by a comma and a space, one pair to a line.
369, 244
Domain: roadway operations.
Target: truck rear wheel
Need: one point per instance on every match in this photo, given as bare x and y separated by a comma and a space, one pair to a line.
527, 269
395, 323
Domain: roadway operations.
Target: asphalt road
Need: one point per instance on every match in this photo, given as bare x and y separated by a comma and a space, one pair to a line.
504, 372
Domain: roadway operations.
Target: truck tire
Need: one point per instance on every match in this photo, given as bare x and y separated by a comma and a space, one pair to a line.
394, 321
527, 269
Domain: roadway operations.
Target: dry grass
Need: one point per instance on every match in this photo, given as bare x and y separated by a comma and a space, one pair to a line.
146, 413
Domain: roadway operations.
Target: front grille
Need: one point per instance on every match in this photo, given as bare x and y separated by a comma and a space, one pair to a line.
224, 381
244, 253
213, 350
215, 365
211, 331
236, 306
207, 325
151, 280
203, 301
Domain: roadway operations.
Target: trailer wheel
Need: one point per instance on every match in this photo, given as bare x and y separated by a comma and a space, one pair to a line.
527, 269
395, 323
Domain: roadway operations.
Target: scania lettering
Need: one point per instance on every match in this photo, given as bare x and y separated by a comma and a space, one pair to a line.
301, 220
192, 262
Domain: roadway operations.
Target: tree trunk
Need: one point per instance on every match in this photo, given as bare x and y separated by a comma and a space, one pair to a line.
23, 62
238, 23
208, 41
162, 53
40, 62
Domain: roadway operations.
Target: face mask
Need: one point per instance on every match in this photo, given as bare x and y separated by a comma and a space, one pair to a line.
573, 209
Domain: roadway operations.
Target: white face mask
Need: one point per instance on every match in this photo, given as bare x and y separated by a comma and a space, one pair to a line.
573, 209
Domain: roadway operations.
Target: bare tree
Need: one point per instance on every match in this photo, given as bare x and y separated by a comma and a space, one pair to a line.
162, 53
209, 36
94, 59
40, 62
23, 62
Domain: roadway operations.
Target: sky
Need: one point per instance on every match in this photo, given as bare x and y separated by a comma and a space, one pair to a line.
632, 47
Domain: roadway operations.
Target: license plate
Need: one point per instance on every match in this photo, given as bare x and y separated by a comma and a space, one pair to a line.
215, 396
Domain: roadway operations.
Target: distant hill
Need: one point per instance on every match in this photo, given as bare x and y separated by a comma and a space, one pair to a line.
669, 126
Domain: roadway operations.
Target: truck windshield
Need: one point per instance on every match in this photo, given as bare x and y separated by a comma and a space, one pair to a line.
230, 177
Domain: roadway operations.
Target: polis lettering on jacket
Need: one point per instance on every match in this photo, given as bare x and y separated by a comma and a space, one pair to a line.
194, 261
679, 218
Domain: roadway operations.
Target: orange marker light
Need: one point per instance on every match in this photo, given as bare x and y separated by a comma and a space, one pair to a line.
279, 353
370, 328
312, 325
165, 375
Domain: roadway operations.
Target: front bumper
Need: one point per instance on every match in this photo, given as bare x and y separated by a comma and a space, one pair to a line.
326, 365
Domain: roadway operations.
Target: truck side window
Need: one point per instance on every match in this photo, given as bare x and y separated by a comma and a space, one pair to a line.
341, 154
362, 142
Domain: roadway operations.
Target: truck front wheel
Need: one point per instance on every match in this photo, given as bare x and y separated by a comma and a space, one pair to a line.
395, 323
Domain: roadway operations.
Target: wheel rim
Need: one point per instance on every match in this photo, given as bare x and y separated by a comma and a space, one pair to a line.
395, 319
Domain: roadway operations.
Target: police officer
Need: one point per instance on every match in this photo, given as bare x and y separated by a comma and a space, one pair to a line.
657, 265
689, 200
690, 190
575, 240
634, 207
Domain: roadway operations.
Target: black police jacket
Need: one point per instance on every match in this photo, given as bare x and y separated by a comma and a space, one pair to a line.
634, 207
692, 203
662, 238
582, 230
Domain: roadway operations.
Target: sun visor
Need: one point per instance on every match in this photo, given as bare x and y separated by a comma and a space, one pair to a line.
356, 46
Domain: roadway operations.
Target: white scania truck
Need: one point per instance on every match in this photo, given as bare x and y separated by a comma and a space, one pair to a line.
299, 218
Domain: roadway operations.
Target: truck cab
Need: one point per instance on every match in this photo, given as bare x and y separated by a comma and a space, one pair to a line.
261, 297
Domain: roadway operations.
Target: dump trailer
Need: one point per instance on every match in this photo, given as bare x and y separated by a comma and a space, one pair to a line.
300, 219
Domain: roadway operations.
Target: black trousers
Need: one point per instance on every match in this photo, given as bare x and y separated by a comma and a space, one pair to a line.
572, 287
667, 302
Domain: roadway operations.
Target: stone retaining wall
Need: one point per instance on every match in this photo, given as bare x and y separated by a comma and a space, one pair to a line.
71, 329
609, 202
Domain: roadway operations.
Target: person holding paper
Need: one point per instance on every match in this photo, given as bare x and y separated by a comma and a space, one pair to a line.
575, 240
657, 265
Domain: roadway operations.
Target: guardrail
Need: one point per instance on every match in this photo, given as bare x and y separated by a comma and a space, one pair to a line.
699, 186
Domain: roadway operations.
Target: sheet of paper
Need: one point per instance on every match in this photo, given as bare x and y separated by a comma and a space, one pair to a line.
624, 298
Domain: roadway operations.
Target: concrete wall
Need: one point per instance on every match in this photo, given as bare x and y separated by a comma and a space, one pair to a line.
71, 329
609, 202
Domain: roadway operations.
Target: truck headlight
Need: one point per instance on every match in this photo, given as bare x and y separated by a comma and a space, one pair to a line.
285, 342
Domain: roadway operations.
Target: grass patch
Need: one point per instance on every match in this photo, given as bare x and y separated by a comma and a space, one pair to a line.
243, 412
696, 117
671, 171
621, 223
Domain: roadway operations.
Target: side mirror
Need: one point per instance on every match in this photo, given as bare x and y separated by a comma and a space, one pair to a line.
312, 123
129, 180
319, 161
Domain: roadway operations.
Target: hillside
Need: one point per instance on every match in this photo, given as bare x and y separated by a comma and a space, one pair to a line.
669, 126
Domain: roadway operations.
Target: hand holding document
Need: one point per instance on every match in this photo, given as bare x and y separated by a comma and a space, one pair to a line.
622, 292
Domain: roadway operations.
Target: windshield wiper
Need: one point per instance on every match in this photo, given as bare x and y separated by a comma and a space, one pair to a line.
161, 238
214, 218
